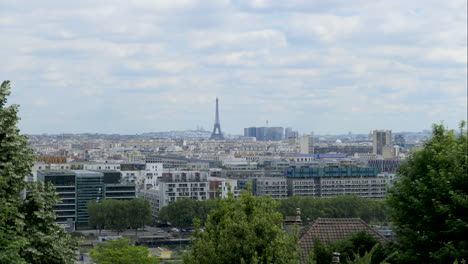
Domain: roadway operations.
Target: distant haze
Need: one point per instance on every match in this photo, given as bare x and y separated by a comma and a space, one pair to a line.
325, 66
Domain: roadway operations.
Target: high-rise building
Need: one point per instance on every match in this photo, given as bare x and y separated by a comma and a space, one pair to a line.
265, 133
306, 144
250, 132
381, 138
275, 133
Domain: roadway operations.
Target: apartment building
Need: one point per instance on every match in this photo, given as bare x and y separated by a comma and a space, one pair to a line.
329, 182
276, 187
177, 185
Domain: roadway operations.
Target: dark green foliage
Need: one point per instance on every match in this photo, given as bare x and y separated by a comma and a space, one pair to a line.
430, 201
355, 248
245, 230
340, 206
321, 254
121, 252
48, 242
119, 214
182, 212
27, 231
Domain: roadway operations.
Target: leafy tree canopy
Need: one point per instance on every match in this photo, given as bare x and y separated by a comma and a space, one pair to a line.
28, 233
121, 252
119, 214
181, 213
429, 202
245, 230
339, 206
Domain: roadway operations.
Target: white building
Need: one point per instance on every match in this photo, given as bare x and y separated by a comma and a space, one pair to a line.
177, 185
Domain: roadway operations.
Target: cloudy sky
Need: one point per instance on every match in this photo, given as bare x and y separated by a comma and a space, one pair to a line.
157, 65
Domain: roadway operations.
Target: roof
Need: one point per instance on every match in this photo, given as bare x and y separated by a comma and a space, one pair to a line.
329, 230
321, 156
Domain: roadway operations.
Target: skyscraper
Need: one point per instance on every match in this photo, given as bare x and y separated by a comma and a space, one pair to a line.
307, 144
381, 138
217, 134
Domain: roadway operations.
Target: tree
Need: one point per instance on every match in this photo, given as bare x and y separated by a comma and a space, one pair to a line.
119, 214
55, 245
181, 213
97, 215
245, 230
121, 252
338, 206
25, 219
139, 213
358, 248
429, 202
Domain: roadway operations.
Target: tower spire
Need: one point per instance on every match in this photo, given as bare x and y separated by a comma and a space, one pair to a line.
217, 134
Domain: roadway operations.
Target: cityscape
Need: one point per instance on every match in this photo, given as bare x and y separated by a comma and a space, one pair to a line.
262, 132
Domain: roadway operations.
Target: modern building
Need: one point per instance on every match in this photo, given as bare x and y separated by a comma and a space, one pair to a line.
77, 187
177, 185
250, 132
265, 133
381, 138
329, 182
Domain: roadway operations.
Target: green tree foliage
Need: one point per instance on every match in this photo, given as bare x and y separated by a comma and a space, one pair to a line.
139, 213
245, 230
429, 202
359, 248
24, 221
121, 252
119, 214
55, 246
181, 213
339, 206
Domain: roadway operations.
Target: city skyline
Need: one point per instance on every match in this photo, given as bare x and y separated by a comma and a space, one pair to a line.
145, 66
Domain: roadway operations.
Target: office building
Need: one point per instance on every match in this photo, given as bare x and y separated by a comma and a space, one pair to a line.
381, 138
265, 133
77, 187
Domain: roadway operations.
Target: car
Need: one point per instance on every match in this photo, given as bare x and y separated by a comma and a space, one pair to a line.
174, 230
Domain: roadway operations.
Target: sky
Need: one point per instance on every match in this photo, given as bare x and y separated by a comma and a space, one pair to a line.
326, 67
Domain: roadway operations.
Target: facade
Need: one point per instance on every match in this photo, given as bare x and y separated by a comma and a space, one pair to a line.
250, 132
65, 185
151, 195
89, 187
307, 145
177, 185
329, 182
276, 187
389, 166
77, 187
265, 133
380, 138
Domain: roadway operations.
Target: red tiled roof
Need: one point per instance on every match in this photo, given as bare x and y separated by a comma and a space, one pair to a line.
329, 230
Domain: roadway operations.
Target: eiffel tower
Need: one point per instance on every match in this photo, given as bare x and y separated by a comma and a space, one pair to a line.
217, 135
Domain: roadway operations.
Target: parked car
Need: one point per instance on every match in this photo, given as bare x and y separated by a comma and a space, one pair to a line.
174, 230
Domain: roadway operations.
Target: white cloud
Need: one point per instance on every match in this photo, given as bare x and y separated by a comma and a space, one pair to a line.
158, 65
327, 27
